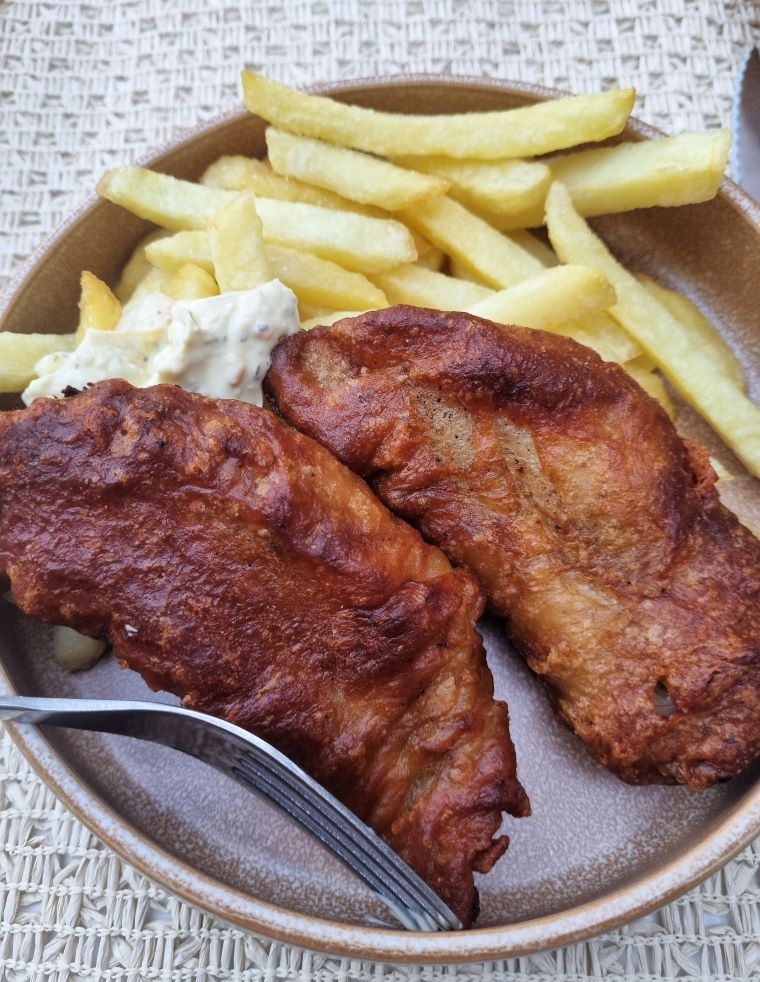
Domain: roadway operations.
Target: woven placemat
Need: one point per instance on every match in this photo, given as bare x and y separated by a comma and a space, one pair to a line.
88, 85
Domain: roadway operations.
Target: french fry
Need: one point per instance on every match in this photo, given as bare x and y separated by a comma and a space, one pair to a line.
237, 246
173, 251
98, 307
676, 170
75, 651
190, 282
605, 336
494, 257
695, 321
352, 240
424, 288
724, 474
161, 199
353, 174
432, 258
641, 363
549, 299
250, 174
138, 266
323, 283
236, 172
524, 132
504, 192
652, 384
19, 353
685, 360
325, 320
532, 244
421, 244
310, 311
313, 280
462, 272
152, 282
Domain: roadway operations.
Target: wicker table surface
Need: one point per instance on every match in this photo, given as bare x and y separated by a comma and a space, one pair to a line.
88, 85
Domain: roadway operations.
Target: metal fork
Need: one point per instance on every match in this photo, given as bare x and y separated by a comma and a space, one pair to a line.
259, 768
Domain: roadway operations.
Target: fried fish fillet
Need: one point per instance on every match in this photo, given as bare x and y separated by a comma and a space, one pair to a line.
594, 529
236, 563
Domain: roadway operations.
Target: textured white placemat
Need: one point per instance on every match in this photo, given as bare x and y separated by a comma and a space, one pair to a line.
88, 85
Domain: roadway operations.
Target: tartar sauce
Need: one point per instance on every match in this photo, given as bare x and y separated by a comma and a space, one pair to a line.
218, 346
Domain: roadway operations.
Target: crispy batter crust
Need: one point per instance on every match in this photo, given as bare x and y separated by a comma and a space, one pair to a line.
235, 562
595, 530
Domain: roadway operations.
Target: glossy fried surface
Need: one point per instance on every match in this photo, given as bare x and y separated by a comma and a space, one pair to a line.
236, 563
594, 529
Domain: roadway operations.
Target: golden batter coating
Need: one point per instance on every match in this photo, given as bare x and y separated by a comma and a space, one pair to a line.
594, 529
236, 563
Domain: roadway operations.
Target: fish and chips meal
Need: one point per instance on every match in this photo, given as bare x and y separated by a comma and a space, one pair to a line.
419, 303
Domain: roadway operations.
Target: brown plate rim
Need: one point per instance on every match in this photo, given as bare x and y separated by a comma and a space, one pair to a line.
733, 833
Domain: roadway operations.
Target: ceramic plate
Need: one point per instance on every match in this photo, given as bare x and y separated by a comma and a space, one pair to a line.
596, 852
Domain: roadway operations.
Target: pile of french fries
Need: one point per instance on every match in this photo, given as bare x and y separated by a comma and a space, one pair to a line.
355, 209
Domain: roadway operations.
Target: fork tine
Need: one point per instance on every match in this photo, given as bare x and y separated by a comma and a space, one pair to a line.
411, 890
401, 904
393, 876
